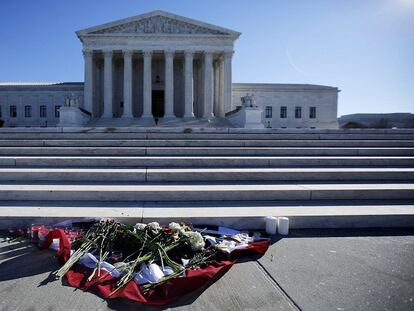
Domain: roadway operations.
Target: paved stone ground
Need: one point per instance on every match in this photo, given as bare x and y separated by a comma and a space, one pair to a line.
309, 270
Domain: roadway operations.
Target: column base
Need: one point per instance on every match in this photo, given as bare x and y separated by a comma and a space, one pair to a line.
189, 117
208, 116
170, 121
146, 121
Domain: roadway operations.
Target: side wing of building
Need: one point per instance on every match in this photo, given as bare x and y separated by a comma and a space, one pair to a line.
292, 105
36, 104
284, 105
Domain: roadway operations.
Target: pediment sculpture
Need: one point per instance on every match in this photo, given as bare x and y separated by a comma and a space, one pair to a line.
159, 25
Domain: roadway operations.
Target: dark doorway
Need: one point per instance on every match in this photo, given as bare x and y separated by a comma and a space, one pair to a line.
158, 104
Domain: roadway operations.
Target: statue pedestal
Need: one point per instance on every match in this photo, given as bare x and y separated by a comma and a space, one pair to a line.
72, 117
246, 117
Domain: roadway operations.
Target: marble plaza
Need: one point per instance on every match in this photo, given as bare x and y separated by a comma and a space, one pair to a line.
166, 69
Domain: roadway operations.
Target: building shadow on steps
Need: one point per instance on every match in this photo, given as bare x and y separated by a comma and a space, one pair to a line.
24, 261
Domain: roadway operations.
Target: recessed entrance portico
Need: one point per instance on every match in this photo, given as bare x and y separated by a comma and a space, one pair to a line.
157, 65
158, 108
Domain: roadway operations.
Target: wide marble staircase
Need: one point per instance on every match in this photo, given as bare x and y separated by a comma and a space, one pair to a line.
318, 178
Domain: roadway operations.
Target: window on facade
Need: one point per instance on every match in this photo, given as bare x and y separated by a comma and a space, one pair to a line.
43, 111
27, 111
57, 114
312, 112
268, 112
13, 112
298, 112
283, 112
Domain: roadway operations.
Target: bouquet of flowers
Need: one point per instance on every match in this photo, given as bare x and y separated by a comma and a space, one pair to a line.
150, 255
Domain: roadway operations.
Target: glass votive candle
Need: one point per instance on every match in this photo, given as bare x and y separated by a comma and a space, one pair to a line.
35, 228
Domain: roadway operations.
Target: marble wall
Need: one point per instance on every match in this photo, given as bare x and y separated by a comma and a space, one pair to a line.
35, 96
271, 97
323, 98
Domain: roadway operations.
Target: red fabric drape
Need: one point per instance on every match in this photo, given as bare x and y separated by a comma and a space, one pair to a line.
162, 294
64, 244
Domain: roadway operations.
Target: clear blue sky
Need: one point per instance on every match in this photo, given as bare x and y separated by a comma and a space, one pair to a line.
364, 47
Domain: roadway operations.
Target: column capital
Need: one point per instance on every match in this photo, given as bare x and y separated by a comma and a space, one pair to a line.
108, 53
169, 53
87, 53
208, 53
147, 53
228, 54
127, 53
189, 52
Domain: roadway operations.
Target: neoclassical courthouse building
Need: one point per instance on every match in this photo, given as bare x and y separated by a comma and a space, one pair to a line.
160, 65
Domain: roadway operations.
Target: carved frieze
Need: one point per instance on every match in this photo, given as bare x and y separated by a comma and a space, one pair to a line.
159, 25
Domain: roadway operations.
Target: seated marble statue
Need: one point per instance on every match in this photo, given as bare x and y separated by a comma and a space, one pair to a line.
248, 100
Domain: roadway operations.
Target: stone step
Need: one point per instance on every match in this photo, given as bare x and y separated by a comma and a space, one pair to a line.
203, 174
205, 192
206, 162
204, 151
250, 216
202, 130
203, 143
88, 135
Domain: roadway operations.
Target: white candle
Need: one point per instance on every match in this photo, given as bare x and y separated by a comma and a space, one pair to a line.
283, 225
271, 225
55, 244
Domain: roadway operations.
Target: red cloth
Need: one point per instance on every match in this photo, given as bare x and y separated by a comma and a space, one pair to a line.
162, 294
259, 248
64, 244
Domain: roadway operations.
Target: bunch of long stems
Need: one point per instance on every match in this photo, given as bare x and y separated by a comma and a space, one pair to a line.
199, 259
155, 251
82, 250
100, 237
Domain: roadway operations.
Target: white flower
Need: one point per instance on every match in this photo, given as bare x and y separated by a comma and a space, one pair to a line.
196, 240
185, 262
226, 246
154, 226
140, 226
174, 227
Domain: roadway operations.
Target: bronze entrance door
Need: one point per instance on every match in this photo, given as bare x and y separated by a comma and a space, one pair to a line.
158, 104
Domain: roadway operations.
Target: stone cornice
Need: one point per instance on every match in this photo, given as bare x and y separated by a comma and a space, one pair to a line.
156, 37
47, 88
165, 51
274, 87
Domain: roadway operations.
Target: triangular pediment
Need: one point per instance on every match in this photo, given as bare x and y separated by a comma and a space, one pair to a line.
158, 22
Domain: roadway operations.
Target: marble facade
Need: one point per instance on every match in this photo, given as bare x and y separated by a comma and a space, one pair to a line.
157, 65
166, 67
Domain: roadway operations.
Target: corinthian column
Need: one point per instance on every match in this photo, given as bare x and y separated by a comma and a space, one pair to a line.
208, 84
147, 111
127, 85
107, 84
169, 84
88, 86
227, 82
188, 85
